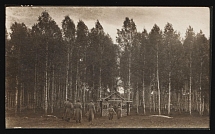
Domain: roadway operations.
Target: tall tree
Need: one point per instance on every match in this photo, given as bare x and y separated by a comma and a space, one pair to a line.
125, 40
144, 43
69, 30
188, 45
82, 44
200, 55
50, 36
170, 41
18, 40
136, 67
155, 37
96, 49
101, 36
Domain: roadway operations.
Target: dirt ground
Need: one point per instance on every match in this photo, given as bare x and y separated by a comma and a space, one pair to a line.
38, 120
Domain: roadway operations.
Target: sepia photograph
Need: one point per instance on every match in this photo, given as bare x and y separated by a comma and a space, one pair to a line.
107, 67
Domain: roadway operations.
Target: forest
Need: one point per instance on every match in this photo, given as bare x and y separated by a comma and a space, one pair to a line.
160, 70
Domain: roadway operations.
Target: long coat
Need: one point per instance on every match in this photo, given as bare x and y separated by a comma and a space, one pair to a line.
111, 113
78, 112
91, 111
118, 111
68, 109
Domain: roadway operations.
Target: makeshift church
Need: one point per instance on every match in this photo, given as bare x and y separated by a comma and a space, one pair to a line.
114, 99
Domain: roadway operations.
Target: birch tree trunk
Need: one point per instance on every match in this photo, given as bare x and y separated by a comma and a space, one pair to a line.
169, 95
144, 105
67, 73
129, 76
153, 96
16, 96
179, 103
190, 110
137, 99
159, 99
70, 76
200, 90
59, 95
100, 82
20, 98
35, 84
76, 82
203, 105
28, 98
49, 89
46, 80
196, 100
84, 97
52, 92
93, 82
100, 74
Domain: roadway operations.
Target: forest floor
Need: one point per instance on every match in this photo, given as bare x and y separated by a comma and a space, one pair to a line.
38, 120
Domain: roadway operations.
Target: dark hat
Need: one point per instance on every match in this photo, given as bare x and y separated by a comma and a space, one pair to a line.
91, 100
78, 100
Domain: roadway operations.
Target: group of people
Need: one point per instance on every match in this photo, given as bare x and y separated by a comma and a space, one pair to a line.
111, 112
70, 109
76, 111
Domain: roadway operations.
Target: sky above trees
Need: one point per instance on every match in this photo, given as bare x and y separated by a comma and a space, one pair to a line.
111, 17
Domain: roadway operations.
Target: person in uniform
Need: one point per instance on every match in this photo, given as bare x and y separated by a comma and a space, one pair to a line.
64, 110
91, 111
111, 111
68, 107
78, 111
119, 111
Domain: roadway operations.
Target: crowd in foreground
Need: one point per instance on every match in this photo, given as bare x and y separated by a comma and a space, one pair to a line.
75, 111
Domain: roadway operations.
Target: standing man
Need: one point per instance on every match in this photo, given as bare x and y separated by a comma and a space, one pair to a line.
111, 112
78, 111
68, 107
64, 105
91, 111
118, 111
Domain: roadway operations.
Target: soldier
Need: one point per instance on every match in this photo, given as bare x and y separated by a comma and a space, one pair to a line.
68, 110
78, 111
119, 111
64, 110
111, 112
91, 111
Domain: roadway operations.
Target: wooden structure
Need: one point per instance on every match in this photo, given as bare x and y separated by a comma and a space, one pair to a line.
114, 99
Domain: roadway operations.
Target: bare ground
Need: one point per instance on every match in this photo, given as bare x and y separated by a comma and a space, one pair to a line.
133, 121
